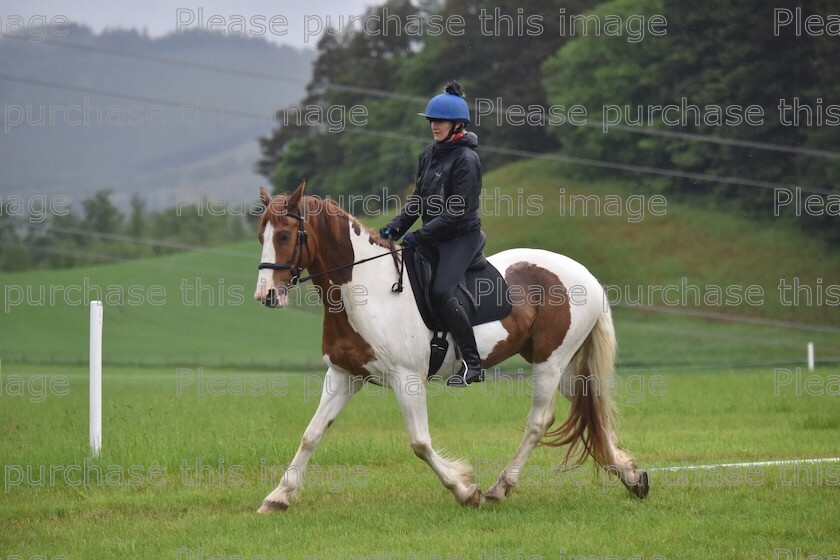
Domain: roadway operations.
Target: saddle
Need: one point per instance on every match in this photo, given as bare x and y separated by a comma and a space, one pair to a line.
483, 293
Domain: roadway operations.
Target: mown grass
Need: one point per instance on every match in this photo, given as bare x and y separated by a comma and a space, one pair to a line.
190, 332
719, 405
368, 496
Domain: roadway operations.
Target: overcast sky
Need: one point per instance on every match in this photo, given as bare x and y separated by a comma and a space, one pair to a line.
159, 17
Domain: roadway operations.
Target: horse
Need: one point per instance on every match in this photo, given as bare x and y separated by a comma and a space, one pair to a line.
380, 338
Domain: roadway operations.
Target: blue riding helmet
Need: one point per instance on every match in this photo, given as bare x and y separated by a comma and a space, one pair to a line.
447, 106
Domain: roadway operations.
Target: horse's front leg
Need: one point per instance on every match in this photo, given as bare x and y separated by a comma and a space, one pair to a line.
337, 390
456, 475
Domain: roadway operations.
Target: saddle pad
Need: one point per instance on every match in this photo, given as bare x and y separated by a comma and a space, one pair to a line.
483, 293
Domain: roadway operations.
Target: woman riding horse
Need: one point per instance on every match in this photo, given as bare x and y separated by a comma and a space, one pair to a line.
446, 195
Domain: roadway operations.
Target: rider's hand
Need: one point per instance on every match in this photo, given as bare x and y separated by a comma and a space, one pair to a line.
387, 232
411, 240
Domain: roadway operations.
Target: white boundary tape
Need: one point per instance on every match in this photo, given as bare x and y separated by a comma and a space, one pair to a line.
741, 465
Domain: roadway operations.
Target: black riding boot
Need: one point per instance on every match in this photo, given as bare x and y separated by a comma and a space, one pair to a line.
462, 332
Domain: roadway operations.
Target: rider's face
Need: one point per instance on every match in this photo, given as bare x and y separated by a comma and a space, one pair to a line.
440, 128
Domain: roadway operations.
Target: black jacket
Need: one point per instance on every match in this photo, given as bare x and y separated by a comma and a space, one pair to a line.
446, 192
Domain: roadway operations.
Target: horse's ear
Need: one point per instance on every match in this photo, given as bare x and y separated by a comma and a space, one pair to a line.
294, 200
265, 197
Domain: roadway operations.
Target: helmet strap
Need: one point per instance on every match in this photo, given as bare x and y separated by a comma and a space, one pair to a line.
453, 131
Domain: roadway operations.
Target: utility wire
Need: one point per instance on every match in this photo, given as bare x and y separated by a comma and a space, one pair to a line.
728, 317
147, 241
605, 164
112, 259
126, 96
651, 309
498, 111
489, 149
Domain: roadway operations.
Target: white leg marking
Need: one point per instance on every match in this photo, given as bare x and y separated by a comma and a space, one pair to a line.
455, 475
546, 378
337, 390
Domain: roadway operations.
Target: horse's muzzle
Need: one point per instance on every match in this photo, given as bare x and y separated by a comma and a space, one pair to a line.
271, 299
275, 298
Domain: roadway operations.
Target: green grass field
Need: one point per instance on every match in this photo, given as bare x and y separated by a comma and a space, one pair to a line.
187, 331
693, 391
188, 470
197, 307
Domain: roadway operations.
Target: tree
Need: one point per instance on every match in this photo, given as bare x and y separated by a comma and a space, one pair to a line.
365, 68
137, 219
100, 214
716, 57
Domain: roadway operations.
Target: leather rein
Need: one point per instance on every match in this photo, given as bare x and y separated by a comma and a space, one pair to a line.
295, 263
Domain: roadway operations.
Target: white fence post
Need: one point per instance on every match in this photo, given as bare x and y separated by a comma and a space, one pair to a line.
95, 377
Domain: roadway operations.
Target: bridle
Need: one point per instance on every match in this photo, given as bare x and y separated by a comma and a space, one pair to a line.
295, 263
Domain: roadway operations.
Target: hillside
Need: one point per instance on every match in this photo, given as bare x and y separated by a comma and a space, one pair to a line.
224, 327
172, 132
632, 248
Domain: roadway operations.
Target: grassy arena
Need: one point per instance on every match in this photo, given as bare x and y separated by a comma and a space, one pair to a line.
184, 472
184, 469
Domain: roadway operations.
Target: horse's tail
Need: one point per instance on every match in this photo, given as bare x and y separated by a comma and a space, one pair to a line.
592, 414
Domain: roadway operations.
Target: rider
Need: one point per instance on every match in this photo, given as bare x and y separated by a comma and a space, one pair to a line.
446, 194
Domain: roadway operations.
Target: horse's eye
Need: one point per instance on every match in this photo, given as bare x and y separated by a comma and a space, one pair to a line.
283, 236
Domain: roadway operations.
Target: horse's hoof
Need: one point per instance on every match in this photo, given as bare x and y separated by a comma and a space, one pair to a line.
474, 500
492, 499
641, 488
270, 507
494, 495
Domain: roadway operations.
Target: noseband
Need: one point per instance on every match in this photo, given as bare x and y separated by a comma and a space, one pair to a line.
295, 264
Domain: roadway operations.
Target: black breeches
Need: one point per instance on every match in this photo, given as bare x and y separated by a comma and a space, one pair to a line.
454, 256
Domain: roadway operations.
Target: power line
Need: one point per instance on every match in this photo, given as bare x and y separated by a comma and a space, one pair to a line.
489, 149
670, 330
652, 309
106, 259
498, 111
735, 318
696, 137
146, 241
606, 164
213, 68
658, 171
156, 59
47, 250
110, 259
126, 96
712, 365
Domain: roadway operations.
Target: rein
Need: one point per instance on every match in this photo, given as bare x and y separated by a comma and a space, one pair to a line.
301, 245
397, 287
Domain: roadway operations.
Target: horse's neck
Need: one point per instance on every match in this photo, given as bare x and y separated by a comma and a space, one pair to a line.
365, 286
361, 313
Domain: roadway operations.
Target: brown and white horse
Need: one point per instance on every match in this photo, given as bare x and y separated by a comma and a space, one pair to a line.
566, 334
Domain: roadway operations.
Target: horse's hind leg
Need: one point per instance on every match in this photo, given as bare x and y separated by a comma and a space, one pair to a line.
621, 463
337, 390
546, 378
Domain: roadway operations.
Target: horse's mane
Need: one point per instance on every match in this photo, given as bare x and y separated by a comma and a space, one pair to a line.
330, 210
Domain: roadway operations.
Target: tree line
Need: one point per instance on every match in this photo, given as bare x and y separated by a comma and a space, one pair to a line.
97, 232
714, 56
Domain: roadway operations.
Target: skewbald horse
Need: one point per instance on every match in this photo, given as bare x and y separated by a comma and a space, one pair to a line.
570, 342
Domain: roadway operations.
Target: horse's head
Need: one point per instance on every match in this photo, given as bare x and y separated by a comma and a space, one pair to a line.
285, 247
